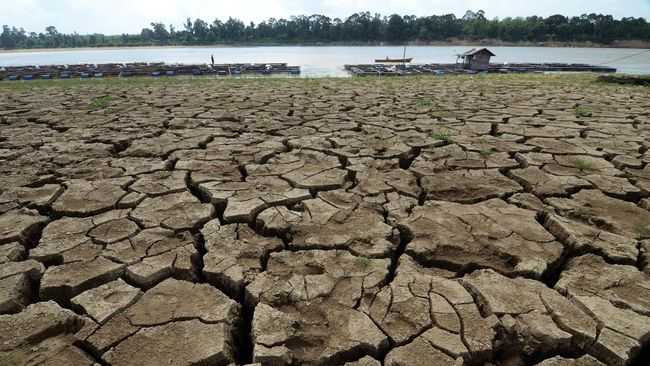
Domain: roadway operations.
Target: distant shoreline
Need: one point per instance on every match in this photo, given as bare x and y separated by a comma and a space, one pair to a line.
484, 43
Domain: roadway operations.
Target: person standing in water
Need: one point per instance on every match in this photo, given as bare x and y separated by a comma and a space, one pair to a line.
212, 58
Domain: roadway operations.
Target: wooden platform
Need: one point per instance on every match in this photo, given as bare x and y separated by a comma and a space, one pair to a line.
142, 69
456, 69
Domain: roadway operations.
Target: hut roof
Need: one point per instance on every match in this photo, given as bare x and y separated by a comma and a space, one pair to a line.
475, 51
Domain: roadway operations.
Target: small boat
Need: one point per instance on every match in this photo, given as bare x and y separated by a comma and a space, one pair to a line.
394, 60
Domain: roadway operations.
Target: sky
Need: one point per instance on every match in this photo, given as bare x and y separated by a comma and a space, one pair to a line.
130, 16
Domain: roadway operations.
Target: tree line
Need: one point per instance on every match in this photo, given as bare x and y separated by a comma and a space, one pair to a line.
357, 28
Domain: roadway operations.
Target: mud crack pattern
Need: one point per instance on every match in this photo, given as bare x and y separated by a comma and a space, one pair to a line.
464, 221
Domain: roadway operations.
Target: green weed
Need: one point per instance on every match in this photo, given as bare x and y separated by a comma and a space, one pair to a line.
363, 262
582, 165
424, 103
442, 136
643, 231
102, 102
485, 153
582, 111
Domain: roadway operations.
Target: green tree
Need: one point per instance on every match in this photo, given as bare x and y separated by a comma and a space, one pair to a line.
160, 32
358, 27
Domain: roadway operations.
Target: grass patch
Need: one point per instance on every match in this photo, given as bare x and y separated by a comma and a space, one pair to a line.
643, 80
581, 213
643, 231
380, 84
363, 262
583, 165
424, 103
442, 136
102, 102
145, 81
486, 153
8, 359
582, 111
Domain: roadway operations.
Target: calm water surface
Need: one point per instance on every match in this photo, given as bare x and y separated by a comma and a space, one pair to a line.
329, 61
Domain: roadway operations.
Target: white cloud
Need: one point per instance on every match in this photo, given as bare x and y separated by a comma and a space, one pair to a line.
119, 16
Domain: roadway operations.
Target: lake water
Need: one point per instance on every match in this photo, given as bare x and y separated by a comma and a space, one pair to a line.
329, 61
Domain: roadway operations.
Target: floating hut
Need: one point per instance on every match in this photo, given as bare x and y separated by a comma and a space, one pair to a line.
477, 59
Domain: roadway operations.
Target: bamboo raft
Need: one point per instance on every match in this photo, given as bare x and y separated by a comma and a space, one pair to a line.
86, 71
457, 69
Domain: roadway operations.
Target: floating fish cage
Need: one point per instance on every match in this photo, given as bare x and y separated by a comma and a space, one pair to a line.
88, 71
457, 69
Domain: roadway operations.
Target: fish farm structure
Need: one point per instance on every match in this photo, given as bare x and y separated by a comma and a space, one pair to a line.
458, 69
86, 71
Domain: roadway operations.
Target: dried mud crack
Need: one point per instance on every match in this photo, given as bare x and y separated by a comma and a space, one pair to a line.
467, 221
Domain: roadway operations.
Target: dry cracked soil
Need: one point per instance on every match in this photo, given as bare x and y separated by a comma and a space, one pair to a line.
428, 221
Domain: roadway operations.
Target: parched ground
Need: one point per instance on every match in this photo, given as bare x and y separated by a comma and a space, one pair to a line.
424, 221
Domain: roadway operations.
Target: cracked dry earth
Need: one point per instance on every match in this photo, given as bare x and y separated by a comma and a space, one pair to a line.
485, 221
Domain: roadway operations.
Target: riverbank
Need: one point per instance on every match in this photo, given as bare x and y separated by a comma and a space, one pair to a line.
494, 81
272, 82
456, 42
